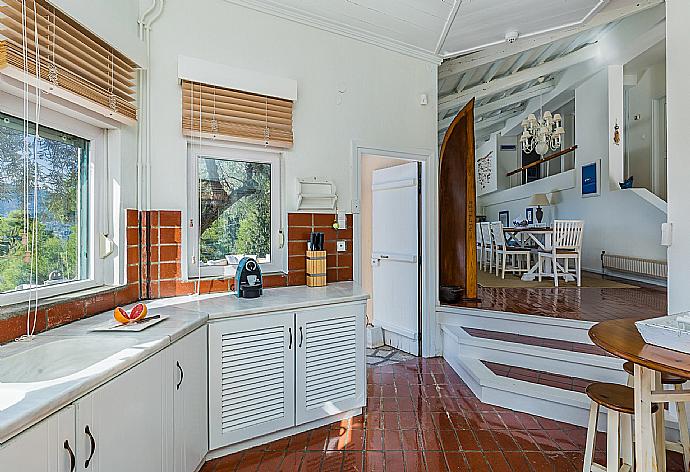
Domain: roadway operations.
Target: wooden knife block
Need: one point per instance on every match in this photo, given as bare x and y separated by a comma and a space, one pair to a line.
316, 268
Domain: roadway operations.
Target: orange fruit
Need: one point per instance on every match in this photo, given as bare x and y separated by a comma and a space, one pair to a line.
138, 312
121, 315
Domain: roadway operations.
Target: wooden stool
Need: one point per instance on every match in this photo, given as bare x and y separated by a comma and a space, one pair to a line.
617, 399
683, 446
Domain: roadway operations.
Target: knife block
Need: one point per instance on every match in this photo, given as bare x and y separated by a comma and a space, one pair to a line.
316, 268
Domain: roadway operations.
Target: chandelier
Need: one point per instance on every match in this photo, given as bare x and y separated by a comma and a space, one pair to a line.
542, 134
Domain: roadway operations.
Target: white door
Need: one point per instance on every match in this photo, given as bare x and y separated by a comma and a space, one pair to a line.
251, 384
123, 425
395, 254
330, 361
46, 446
190, 400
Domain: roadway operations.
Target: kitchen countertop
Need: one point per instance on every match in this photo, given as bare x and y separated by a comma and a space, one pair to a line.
223, 305
25, 404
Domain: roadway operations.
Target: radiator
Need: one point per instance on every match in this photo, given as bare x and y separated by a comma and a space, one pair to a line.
634, 265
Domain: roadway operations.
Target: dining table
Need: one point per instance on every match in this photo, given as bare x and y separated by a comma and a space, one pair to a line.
540, 238
622, 339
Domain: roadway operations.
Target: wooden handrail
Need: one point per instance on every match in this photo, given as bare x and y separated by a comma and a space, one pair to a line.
541, 161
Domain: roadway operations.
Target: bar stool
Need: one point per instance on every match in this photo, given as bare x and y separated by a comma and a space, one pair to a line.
683, 446
618, 399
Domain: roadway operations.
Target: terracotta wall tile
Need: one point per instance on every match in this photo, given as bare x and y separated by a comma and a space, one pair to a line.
15, 326
170, 218
132, 218
64, 313
300, 219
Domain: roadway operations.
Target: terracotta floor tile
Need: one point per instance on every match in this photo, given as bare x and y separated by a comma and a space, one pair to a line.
446, 430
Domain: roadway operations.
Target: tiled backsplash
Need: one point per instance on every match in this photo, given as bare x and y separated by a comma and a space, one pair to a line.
154, 268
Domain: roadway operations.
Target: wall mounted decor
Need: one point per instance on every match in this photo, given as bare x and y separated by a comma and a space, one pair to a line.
590, 179
529, 215
504, 217
617, 134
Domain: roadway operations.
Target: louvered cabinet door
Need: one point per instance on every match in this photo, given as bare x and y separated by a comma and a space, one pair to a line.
251, 377
330, 362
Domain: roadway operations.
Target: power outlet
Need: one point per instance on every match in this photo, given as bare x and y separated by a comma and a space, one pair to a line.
341, 246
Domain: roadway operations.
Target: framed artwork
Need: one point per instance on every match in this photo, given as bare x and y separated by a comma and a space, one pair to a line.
590, 179
504, 217
529, 215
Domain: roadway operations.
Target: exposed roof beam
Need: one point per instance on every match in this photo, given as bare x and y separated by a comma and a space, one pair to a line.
446, 27
464, 81
519, 62
503, 83
497, 119
451, 67
534, 91
483, 123
493, 70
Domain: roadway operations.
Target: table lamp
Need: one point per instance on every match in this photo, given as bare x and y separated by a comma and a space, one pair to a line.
539, 200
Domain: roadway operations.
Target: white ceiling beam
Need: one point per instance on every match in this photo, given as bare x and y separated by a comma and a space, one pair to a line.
446, 27
467, 76
482, 123
503, 83
519, 62
493, 70
451, 67
534, 91
496, 119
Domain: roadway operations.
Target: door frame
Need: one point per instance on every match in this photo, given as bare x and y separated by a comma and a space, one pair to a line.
428, 233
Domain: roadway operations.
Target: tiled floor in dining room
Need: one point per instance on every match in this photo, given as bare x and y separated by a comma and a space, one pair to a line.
420, 416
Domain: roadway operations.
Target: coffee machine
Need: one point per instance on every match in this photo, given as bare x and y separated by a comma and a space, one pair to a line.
248, 281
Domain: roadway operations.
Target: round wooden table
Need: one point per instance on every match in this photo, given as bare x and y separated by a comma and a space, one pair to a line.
621, 338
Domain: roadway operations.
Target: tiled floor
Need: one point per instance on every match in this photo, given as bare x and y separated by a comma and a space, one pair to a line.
422, 417
536, 341
587, 304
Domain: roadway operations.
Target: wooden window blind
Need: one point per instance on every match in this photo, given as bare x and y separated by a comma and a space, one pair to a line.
70, 57
210, 111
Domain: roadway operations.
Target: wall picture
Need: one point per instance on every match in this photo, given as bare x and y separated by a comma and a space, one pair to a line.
504, 218
590, 179
529, 215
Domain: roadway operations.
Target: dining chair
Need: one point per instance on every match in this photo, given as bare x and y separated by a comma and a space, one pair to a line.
488, 246
566, 244
480, 245
503, 251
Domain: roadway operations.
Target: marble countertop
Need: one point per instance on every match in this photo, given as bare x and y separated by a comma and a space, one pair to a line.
224, 305
25, 404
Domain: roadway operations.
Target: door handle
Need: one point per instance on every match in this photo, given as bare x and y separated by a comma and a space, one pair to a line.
290, 331
87, 430
383, 256
181, 375
301, 336
72, 458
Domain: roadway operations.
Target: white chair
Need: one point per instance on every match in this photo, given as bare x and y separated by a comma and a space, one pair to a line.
566, 244
480, 245
488, 246
503, 251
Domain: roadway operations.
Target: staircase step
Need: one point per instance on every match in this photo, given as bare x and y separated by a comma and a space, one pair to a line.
539, 377
536, 341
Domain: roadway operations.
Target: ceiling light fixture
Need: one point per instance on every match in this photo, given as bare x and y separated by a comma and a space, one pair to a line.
543, 134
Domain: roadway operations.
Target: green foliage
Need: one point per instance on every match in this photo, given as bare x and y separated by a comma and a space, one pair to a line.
245, 226
56, 165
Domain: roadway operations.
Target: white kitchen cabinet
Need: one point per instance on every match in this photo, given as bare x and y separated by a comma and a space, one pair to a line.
190, 400
124, 425
45, 447
330, 361
251, 377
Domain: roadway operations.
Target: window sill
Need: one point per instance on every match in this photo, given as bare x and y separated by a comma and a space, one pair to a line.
19, 308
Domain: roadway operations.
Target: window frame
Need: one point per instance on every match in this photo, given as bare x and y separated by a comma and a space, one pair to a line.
232, 153
12, 105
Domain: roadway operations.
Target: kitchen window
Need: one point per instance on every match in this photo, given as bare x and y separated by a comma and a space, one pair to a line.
45, 211
234, 210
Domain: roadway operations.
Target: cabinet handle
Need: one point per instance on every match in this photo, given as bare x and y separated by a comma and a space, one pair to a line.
301, 336
87, 430
72, 459
290, 331
181, 375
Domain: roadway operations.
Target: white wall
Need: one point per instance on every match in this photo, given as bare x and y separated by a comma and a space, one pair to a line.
379, 107
677, 74
619, 222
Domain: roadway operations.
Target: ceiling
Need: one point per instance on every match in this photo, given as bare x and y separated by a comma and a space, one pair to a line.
438, 29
